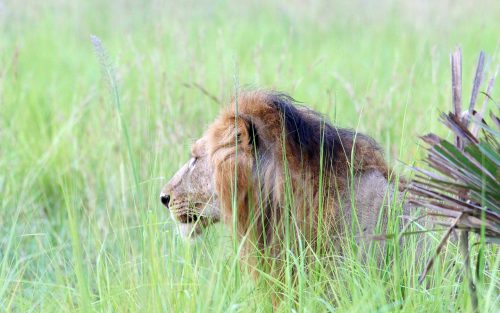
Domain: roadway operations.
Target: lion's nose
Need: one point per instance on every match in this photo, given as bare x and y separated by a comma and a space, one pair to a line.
165, 199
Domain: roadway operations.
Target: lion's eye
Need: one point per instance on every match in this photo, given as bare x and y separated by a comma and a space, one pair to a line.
192, 162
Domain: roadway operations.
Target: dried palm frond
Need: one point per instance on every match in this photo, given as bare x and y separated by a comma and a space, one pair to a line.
463, 183
467, 182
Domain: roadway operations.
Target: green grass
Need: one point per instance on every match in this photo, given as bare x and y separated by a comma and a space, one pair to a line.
81, 227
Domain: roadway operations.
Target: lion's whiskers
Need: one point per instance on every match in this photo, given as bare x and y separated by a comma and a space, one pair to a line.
188, 208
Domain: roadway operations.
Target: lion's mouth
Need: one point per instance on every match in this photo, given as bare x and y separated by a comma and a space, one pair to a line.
191, 213
188, 218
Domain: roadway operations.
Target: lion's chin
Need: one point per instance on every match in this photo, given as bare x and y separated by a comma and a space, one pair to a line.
189, 230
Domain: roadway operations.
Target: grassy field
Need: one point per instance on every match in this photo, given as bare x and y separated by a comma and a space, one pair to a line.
80, 232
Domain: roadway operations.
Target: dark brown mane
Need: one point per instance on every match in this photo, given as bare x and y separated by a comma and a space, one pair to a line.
311, 136
271, 177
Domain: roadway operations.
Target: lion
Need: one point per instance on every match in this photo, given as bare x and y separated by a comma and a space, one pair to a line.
272, 169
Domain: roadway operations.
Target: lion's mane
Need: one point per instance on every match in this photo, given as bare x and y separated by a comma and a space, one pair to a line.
280, 168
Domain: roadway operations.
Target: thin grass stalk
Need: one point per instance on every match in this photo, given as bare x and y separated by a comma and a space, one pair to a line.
76, 242
234, 199
109, 74
288, 205
464, 248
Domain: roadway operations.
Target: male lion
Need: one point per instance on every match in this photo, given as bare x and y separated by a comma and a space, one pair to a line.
272, 170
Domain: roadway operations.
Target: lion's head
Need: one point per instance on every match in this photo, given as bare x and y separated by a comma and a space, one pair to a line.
190, 195
265, 162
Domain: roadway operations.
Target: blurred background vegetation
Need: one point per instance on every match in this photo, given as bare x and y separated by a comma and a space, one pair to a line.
76, 235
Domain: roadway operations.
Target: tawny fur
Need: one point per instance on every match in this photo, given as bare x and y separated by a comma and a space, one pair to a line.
256, 144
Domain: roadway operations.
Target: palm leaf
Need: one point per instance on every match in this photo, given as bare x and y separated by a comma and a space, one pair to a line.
462, 185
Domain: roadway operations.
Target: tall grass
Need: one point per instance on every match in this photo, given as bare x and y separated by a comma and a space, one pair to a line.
73, 235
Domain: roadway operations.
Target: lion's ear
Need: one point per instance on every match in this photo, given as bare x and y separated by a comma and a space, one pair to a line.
253, 136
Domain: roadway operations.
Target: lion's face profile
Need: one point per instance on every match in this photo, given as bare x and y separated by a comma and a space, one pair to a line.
190, 195
266, 163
